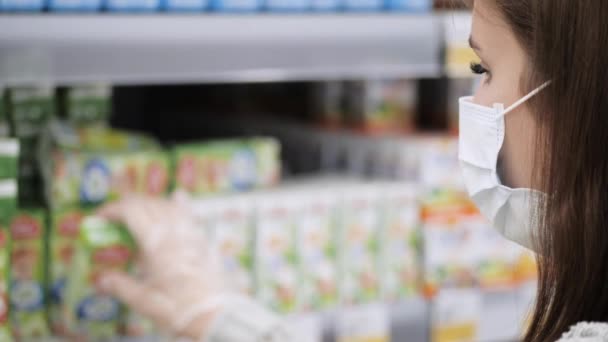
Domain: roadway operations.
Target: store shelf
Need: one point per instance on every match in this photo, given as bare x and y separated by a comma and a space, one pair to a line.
160, 49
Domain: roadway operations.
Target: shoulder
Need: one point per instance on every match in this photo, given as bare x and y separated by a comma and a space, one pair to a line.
586, 332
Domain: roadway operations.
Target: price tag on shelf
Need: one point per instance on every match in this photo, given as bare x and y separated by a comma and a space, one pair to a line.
456, 315
368, 323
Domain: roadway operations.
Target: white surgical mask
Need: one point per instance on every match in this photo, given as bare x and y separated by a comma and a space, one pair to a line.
482, 133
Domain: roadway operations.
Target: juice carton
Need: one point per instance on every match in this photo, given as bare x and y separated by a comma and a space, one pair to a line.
154, 172
29, 109
215, 167
90, 104
65, 226
276, 255
268, 156
360, 245
101, 246
317, 237
401, 253
9, 156
8, 203
450, 254
232, 238
28, 274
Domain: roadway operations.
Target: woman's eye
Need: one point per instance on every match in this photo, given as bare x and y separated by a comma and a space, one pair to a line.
478, 69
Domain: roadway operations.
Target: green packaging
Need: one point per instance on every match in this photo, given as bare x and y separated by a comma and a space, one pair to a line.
29, 109
215, 167
8, 198
28, 273
65, 225
101, 246
154, 172
9, 156
89, 104
268, 160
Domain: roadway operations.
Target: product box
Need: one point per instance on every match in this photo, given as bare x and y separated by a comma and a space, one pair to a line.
102, 246
29, 109
451, 255
8, 204
276, 254
360, 245
317, 236
28, 274
105, 167
185, 5
74, 5
131, 5
215, 167
89, 104
287, 5
268, 160
414, 6
242, 6
9, 158
65, 226
233, 239
401, 255
456, 315
21, 5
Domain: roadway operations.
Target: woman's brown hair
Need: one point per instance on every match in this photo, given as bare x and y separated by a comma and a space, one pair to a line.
567, 43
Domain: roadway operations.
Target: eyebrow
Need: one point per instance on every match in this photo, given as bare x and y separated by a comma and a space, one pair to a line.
473, 44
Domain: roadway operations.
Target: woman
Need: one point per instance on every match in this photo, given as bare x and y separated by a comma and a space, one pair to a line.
546, 62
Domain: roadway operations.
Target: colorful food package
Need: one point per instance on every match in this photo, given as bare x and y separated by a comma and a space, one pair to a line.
451, 257
102, 246
8, 204
88, 104
29, 109
382, 105
65, 226
232, 236
276, 255
497, 256
401, 254
9, 158
215, 167
360, 245
268, 160
28, 274
364, 323
456, 315
154, 169
316, 233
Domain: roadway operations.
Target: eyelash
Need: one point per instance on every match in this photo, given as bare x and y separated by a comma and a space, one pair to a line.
478, 69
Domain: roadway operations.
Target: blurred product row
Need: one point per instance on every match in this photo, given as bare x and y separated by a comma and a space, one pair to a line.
218, 6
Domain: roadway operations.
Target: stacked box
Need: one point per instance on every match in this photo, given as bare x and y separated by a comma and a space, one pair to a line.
28, 273
215, 167
400, 235
233, 239
8, 205
360, 245
276, 254
90, 104
65, 225
102, 246
316, 233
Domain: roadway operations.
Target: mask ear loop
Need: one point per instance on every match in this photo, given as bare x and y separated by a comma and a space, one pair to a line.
523, 99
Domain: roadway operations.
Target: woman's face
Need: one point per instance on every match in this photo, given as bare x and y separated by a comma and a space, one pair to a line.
503, 63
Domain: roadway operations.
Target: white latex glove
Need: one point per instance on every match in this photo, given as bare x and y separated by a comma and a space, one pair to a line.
180, 287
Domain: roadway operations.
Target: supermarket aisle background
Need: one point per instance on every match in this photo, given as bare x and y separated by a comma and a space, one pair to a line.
320, 151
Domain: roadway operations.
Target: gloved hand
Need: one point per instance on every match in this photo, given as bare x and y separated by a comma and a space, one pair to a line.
181, 283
